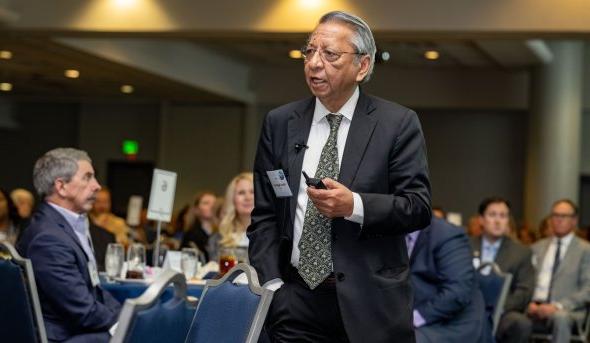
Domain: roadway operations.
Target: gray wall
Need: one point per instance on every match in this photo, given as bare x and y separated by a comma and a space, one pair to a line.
39, 127
474, 154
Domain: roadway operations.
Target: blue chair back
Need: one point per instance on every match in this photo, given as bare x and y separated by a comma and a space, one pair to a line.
230, 312
149, 319
494, 285
20, 313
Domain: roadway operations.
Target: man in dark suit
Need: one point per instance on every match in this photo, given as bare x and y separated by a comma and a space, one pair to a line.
494, 245
339, 253
448, 305
59, 246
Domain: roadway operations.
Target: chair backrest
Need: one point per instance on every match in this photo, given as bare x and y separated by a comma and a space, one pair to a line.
147, 319
494, 286
230, 312
20, 311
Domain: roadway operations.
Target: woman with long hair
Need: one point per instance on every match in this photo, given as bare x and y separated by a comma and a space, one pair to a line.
200, 223
239, 203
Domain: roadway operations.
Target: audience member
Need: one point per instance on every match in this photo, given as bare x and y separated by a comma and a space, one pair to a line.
438, 212
448, 305
201, 225
102, 216
525, 235
9, 219
495, 245
24, 202
238, 207
74, 306
562, 289
474, 226
545, 229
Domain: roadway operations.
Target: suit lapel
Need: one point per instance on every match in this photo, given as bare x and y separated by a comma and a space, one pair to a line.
298, 127
569, 256
359, 134
63, 223
503, 252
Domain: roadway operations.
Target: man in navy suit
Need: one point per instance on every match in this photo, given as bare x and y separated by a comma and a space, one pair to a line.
448, 305
58, 243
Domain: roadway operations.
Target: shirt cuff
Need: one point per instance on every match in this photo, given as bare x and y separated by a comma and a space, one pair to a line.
273, 284
558, 305
358, 211
113, 329
418, 319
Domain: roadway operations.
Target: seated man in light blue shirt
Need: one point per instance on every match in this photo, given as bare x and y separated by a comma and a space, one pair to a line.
448, 305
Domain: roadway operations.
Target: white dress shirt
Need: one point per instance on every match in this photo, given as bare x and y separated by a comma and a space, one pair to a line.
545, 273
318, 136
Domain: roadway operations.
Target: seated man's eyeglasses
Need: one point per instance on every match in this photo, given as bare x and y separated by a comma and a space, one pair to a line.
327, 55
562, 215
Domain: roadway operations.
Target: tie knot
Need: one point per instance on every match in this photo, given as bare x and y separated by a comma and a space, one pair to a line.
334, 120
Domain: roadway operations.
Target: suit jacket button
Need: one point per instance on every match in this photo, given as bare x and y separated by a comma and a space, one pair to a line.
340, 276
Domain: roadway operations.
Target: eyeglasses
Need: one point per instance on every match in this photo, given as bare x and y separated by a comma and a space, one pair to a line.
326, 55
562, 215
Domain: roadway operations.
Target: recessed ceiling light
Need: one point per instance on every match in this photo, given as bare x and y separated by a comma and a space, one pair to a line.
5, 87
296, 54
72, 73
431, 54
127, 89
5, 54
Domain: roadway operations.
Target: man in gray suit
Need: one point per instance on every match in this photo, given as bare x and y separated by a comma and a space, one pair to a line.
563, 275
494, 245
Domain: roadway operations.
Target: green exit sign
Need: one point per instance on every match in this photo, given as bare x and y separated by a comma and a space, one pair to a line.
130, 147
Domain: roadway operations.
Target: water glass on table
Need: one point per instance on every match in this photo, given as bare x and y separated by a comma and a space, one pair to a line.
189, 261
114, 260
135, 261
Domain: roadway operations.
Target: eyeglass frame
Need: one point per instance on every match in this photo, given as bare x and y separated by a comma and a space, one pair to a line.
322, 51
563, 215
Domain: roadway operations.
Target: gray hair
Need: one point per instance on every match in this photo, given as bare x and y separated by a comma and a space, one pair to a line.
60, 163
362, 40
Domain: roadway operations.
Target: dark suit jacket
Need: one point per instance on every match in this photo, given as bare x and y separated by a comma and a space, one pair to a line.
446, 292
513, 258
100, 241
70, 305
385, 162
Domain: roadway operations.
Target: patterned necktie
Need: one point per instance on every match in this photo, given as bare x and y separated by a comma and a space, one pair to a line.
315, 245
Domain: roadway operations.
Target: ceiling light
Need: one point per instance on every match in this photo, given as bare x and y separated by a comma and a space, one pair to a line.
385, 56
125, 3
5, 87
431, 55
5, 54
127, 89
296, 54
72, 73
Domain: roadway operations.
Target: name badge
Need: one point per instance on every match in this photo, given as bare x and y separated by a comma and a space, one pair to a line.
279, 183
93, 274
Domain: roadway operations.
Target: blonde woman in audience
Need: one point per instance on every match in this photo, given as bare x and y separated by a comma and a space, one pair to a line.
24, 202
239, 203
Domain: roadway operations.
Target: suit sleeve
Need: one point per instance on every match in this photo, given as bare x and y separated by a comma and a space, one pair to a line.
407, 206
56, 270
453, 259
264, 231
579, 299
523, 284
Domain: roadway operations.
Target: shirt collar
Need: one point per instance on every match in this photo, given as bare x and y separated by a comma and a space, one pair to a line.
347, 110
565, 240
75, 220
485, 243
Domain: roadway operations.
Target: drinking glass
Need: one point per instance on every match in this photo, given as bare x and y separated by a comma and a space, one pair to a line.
189, 259
227, 259
135, 261
114, 260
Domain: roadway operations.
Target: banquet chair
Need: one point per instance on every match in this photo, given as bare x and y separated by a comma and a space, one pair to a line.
494, 286
147, 319
20, 312
231, 312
